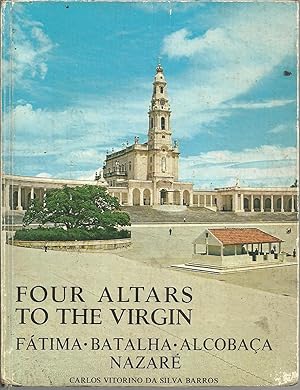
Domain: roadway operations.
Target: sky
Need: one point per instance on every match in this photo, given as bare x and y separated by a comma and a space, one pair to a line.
77, 82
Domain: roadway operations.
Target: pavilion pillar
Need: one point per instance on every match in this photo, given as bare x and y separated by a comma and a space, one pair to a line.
211, 201
252, 203
121, 198
198, 200
32, 193
282, 205
204, 200
262, 203
19, 205
222, 250
279, 247
272, 203
293, 204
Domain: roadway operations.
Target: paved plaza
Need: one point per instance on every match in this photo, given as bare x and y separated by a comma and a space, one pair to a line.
259, 303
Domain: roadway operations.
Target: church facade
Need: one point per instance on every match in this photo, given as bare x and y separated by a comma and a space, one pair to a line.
150, 170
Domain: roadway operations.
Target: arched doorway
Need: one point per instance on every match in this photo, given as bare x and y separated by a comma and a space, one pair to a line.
268, 204
163, 196
278, 204
246, 204
256, 204
146, 197
136, 195
186, 197
15, 200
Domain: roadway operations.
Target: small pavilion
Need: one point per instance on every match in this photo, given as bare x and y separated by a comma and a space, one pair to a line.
236, 246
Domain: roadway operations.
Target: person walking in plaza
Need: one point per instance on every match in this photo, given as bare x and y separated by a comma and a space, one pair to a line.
170, 231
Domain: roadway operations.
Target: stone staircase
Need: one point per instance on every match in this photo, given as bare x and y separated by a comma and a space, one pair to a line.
148, 214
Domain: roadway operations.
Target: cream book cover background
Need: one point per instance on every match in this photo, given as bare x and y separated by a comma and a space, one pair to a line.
149, 194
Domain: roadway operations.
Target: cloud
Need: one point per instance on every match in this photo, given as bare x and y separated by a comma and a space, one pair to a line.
70, 140
44, 174
27, 51
258, 105
282, 128
228, 60
264, 166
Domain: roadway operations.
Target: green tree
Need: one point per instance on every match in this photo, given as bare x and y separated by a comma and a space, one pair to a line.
85, 207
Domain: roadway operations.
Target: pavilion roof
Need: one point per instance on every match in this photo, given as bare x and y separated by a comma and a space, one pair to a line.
231, 236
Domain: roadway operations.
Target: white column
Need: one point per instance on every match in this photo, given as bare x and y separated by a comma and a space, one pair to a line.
235, 203
141, 198
195, 250
191, 199
293, 204
262, 203
130, 198
44, 197
7, 205
19, 206
32, 193
211, 200
242, 202
272, 203
282, 206
204, 200
181, 198
121, 198
252, 203
171, 197
198, 200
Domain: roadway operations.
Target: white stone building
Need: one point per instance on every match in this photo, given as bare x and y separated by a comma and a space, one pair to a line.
149, 171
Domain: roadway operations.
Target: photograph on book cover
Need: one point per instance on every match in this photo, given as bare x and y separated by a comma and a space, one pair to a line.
149, 194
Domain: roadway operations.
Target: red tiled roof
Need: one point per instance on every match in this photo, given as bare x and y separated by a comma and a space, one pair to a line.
233, 236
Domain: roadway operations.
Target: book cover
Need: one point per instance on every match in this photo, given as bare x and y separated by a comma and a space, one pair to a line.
149, 194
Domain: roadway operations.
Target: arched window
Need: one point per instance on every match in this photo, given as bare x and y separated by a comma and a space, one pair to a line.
152, 123
161, 89
163, 164
162, 123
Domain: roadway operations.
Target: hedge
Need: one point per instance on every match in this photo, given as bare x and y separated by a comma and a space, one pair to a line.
59, 234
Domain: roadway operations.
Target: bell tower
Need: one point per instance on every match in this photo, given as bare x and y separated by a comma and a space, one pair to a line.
162, 154
159, 132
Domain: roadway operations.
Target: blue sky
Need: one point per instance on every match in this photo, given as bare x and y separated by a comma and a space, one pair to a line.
82, 81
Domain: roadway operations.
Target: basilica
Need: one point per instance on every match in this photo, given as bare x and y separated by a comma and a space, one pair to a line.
146, 174
150, 170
